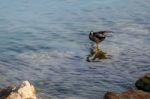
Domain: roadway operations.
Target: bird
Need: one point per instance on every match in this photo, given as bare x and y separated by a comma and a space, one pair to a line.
98, 37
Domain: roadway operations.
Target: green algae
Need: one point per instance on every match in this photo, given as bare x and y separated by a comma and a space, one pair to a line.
97, 55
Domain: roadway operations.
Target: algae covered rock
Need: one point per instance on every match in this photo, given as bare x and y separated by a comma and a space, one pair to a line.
96, 55
131, 94
143, 83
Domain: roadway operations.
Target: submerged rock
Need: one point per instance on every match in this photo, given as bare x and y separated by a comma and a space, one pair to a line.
23, 91
131, 94
143, 83
96, 55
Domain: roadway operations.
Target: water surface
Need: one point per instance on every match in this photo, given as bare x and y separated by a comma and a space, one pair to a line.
46, 42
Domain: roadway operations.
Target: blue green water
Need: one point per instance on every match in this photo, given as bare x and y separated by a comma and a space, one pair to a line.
46, 42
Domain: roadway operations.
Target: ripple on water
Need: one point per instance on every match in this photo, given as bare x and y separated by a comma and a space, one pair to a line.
46, 57
45, 41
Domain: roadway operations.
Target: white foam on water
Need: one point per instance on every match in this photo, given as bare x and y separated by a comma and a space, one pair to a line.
45, 57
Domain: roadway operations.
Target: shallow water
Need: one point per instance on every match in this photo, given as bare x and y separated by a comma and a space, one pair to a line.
46, 42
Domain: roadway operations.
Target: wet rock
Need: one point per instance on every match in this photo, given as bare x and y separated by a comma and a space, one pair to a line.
143, 83
5, 92
132, 94
96, 55
23, 91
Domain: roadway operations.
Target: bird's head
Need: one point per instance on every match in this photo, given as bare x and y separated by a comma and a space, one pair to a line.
91, 33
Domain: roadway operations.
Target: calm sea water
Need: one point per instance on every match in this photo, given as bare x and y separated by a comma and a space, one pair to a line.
46, 42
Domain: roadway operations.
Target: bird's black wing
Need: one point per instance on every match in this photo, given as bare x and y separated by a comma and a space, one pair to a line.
98, 34
101, 34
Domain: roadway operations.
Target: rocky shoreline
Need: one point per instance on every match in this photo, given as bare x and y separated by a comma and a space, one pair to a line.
27, 91
131, 94
143, 86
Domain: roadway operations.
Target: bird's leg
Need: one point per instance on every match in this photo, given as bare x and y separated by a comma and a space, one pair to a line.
97, 48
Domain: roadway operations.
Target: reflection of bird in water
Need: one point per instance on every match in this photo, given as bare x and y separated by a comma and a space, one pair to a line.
98, 37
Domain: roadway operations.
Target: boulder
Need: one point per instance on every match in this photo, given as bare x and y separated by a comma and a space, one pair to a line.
131, 94
143, 83
24, 91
